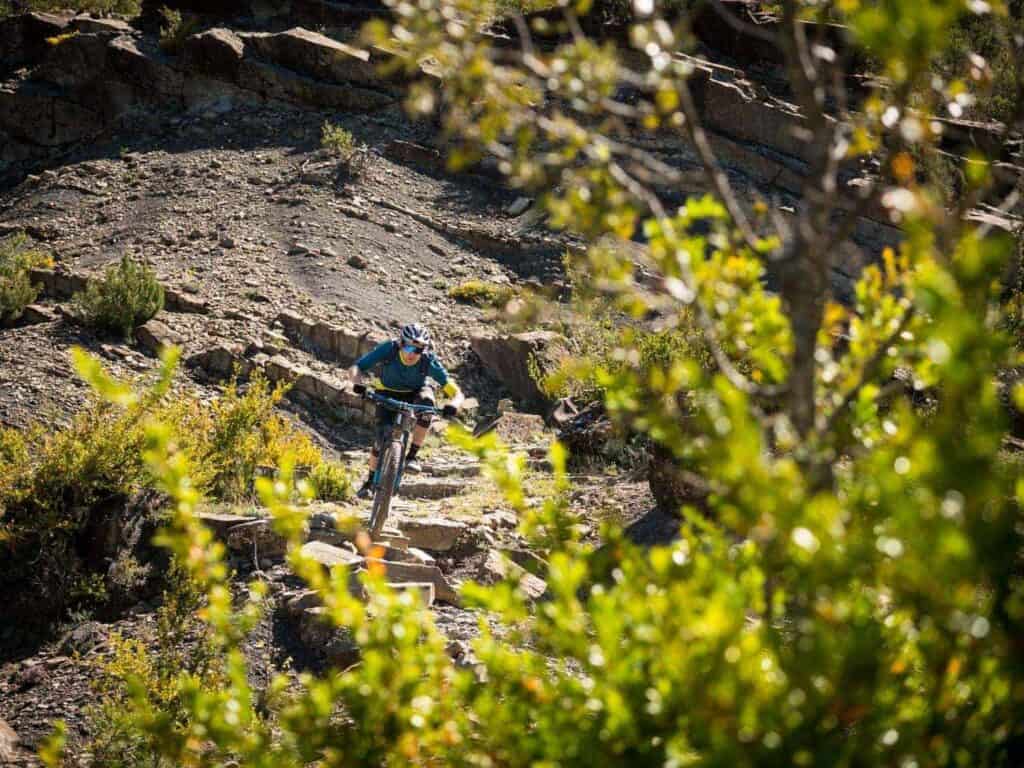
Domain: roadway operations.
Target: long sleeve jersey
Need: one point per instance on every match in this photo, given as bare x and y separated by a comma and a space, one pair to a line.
398, 377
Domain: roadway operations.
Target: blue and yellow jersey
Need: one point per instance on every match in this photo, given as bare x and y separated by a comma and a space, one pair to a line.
396, 376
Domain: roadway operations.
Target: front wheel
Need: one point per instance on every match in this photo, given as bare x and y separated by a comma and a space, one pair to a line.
385, 488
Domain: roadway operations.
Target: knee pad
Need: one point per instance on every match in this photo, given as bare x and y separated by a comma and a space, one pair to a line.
424, 421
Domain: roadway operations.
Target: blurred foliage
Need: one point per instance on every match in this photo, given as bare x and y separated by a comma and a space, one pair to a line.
990, 37
16, 289
855, 597
178, 644
127, 296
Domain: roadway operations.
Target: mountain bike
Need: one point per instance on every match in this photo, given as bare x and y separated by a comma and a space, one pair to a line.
391, 452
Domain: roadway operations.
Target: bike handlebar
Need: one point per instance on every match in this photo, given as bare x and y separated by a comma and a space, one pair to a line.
399, 405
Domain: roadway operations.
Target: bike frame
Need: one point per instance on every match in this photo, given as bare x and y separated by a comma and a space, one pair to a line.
404, 423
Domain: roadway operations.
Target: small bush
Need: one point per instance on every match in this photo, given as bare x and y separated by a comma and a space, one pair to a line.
16, 290
337, 140
601, 348
482, 293
174, 29
126, 297
244, 433
51, 481
342, 144
331, 482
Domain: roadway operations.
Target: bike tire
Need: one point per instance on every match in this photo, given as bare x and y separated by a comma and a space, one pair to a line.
385, 488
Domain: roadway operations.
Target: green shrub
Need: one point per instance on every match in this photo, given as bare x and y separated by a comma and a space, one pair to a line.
52, 479
242, 432
331, 482
602, 347
482, 293
127, 296
174, 29
337, 140
342, 144
16, 289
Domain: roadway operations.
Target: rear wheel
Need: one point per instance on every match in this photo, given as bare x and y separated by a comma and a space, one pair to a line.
385, 488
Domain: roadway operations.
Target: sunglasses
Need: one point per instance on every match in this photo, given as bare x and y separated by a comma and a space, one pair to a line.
412, 349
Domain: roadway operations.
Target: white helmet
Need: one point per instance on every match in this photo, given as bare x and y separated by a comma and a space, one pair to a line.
414, 333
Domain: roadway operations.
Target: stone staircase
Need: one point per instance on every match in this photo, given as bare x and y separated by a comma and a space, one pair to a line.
418, 536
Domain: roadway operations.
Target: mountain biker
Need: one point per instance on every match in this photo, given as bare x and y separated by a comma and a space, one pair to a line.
408, 371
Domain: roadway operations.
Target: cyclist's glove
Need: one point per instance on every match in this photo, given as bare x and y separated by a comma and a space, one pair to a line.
449, 411
359, 389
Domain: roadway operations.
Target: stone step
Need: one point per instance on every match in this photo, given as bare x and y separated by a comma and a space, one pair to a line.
220, 523
498, 567
331, 556
420, 487
435, 533
426, 589
416, 573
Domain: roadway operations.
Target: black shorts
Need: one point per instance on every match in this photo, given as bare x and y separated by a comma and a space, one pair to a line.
386, 417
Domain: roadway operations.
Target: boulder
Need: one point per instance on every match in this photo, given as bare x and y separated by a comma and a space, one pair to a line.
34, 314
425, 589
517, 428
220, 362
275, 82
74, 62
142, 65
738, 109
330, 556
510, 358
315, 55
332, 342
220, 523
90, 25
338, 646
42, 114
497, 568
436, 534
154, 336
215, 52
58, 283
182, 303
23, 37
256, 538
295, 603
399, 573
